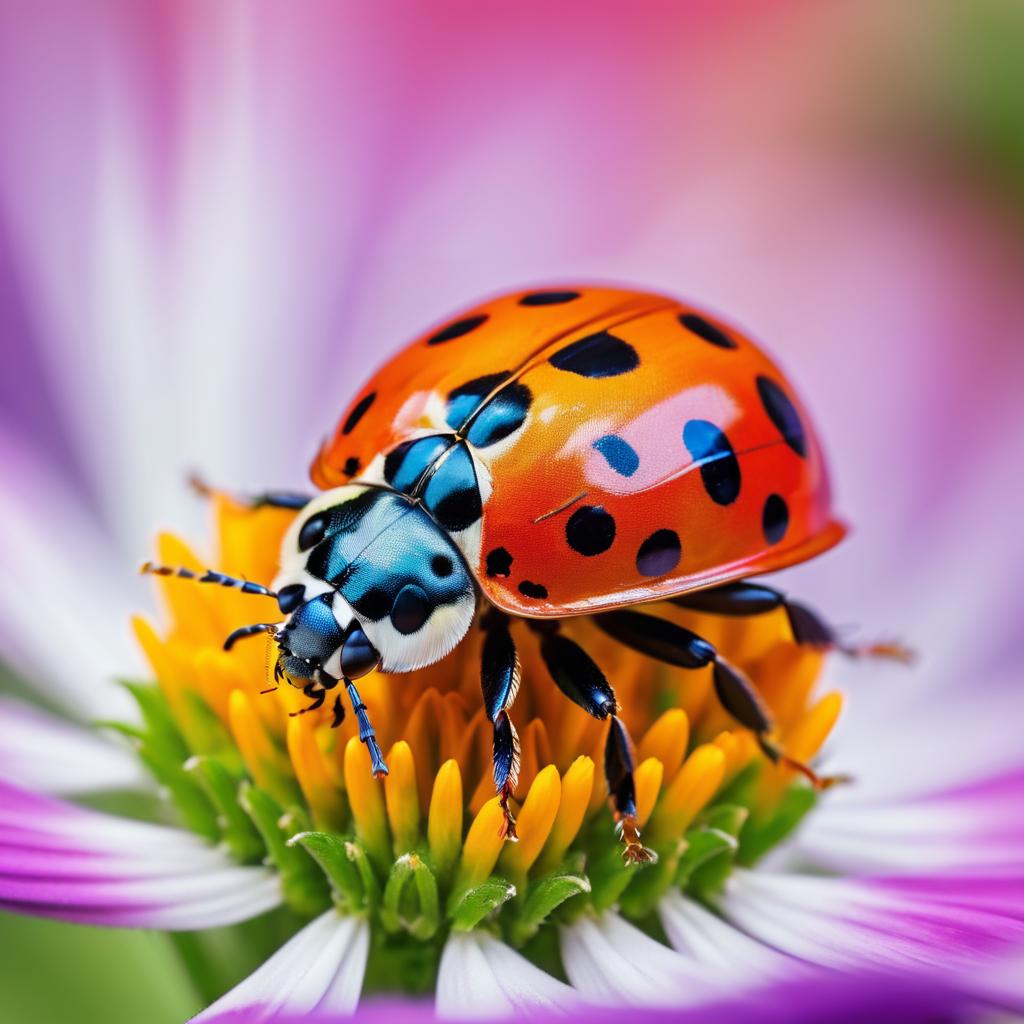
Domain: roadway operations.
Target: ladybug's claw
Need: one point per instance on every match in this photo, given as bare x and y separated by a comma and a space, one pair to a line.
820, 782
633, 851
508, 826
889, 650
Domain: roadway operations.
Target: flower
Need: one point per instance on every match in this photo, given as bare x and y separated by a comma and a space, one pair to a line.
173, 237
407, 884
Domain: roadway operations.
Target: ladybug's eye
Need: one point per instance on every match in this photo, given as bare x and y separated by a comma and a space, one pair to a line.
312, 532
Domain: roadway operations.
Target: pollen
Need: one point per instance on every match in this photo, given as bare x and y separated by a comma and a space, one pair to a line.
422, 850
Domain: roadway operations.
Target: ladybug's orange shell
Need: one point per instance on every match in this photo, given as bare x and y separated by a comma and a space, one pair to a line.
559, 463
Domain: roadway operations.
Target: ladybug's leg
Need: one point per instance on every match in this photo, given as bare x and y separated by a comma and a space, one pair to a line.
741, 599
580, 679
265, 499
366, 732
499, 679
317, 694
677, 646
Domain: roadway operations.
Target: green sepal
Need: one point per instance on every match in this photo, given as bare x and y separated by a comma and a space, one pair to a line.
543, 897
329, 851
207, 734
356, 853
414, 908
704, 849
161, 732
610, 876
196, 810
302, 883
649, 885
221, 787
759, 834
475, 904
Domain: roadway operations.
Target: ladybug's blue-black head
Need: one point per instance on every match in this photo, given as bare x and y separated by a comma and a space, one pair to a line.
385, 564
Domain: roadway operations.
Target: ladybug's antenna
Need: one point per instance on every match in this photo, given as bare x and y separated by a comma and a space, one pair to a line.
255, 629
151, 568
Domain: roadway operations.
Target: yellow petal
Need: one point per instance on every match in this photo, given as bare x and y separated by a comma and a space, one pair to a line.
667, 740
324, 797
691, 789
483, 844
647, 780
811, 730
577, 787
533, 824
444, 823
192, 605
269, 766
367, 802
402, 798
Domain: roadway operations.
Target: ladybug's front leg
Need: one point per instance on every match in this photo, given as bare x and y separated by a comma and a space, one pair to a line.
499, 679
808, 627
674, 645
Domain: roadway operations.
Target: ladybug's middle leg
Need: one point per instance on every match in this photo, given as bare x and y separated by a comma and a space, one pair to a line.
674, 645
579, 678
807, 626
499, 679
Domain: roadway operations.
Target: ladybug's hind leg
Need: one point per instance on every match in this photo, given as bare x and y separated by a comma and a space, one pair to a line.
808, 627
579, 678
499, 680
674, 645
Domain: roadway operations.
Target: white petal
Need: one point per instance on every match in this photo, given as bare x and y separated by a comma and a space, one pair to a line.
481, 977
609, 961
41, 752
320, 968
838, 922
730, 955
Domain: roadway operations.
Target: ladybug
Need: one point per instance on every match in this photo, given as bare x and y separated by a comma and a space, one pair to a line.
566, 452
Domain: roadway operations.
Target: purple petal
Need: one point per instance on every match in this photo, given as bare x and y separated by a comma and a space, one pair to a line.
971, 831
832, 996
62, 861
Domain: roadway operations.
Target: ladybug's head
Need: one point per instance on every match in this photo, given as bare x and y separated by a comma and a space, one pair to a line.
369, 579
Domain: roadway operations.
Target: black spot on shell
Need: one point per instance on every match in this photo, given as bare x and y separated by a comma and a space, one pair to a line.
590, 530
659, 554
457, 329
464, 400
775, 518
442, 565
597, 355
548, 298
707, 330
499, 563
503, 414
458, 510
783, 414
535, 590
351, 466
719, 467
358, 412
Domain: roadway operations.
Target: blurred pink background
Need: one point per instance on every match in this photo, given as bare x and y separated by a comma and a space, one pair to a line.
216, 219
